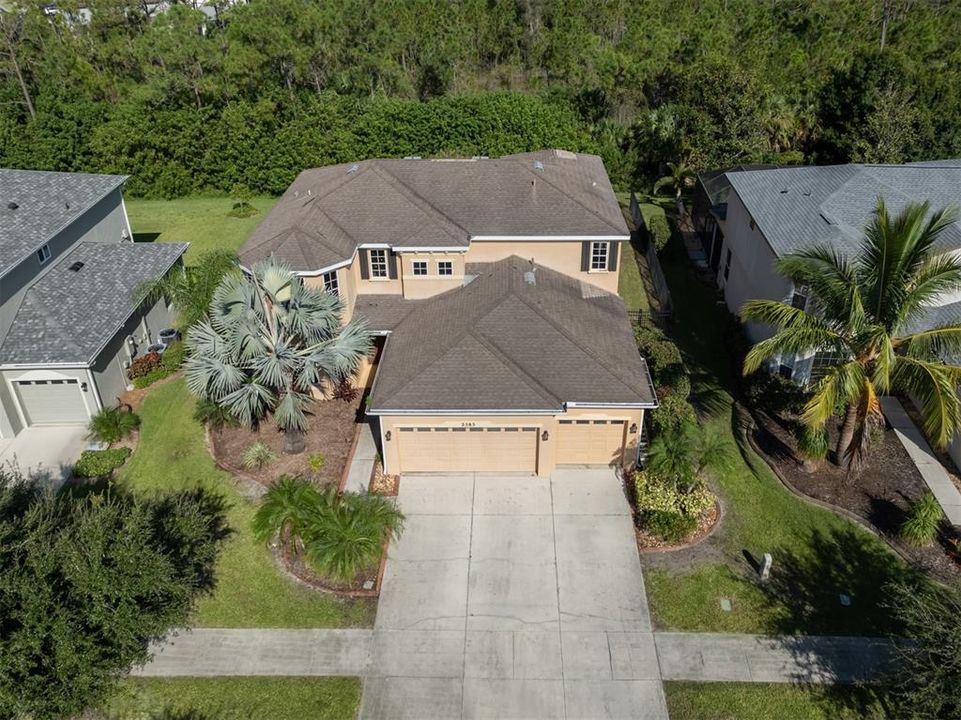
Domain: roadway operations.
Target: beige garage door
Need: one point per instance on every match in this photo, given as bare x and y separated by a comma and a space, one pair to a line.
52, 402
590, 442
458, 449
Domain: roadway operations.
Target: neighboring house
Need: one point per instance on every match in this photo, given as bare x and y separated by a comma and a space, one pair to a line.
492, 283
756, 216
69, 325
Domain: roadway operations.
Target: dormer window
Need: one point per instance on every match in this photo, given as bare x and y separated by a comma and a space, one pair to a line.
43, 254
378, 263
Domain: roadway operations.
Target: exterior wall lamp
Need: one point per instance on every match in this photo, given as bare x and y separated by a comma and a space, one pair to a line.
633, 428
387, 436
545, 436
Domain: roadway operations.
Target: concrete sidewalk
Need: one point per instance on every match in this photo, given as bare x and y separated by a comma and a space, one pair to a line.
362, 463
924, 459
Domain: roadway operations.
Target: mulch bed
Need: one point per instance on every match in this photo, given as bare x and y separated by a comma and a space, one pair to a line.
365, 584
880, 492
647, 543
134, 398
383, 484
331, 425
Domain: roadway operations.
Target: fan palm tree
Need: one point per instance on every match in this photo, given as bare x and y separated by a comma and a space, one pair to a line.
866, 310
269, 341
679, 178
192, 289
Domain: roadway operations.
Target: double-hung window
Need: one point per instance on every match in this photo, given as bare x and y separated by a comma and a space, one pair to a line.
420, 267
330, 282
599, 252
445, 267
378, 263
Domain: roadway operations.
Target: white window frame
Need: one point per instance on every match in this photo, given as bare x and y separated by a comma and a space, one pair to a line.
43, 254
377, 259
599, 260
445, 268
420, 265
331, 283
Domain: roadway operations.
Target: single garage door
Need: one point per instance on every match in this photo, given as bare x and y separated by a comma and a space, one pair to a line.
52, 402
460, 449
590, 442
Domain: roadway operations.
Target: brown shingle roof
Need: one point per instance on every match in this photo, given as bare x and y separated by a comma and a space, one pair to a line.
501, 343
327, 212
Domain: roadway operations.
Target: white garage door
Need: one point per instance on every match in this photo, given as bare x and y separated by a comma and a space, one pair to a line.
52, 402
460, 449
590, 442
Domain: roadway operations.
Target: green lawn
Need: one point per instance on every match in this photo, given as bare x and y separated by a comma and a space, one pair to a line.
201, 221
817, 554
749, 701
236, 698
629, 284
251, 591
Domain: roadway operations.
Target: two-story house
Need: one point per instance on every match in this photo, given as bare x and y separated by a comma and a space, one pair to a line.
491, 284
69, 320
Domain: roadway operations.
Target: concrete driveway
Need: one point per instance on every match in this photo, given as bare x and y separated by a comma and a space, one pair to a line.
46, 454
514, 597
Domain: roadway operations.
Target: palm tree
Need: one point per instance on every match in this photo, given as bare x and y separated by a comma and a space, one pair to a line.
269, 342
680, 177
683, 456
866, 311
192, 289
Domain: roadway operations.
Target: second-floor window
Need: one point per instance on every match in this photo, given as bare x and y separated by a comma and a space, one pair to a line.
330, 283
599, 255
378, 263
420, 267
445, 267
43, 254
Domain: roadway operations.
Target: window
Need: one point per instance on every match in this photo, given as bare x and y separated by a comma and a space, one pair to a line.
785, 371
43, 254
445, 267
727, 264
799, 299
378, 263
420, 267
599, 256
330, 283
823, 361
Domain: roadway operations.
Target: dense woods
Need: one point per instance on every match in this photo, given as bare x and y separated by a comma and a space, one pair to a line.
188, 101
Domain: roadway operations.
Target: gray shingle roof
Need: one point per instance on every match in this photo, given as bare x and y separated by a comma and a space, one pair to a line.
384, 312
802, 206
500, 343
327, 212
67, 316
46, 203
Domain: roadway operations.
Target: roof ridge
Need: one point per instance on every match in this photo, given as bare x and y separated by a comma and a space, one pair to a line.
416, 198
568, 195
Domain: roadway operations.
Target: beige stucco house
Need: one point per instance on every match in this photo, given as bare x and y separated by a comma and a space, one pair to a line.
492, 285
69, 320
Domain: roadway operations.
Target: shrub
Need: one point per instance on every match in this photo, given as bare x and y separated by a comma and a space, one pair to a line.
316, 461
100, 463
774, 394
669, 526
812, 443
258, 455
173, 356
924, 520
654, 493
673, 415
151, 377
213, 415
144, 364
111, 425
658, 231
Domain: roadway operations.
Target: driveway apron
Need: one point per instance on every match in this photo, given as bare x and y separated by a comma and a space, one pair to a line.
513, 596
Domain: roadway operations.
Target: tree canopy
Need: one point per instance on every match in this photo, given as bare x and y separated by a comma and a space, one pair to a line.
254, 92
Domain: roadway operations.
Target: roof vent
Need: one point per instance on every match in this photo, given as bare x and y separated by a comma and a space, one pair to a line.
67, 205
538, 165
530, 277
353, 168
784, 191
76, 267
12, 205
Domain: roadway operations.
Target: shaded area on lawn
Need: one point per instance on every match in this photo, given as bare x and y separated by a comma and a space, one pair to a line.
807, 543
251, 590
238, 698
762, 701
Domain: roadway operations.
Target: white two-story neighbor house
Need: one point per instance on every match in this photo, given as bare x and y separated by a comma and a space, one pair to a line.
69, 320
751, 217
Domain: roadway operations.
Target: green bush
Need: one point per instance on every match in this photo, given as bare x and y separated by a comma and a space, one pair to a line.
654, 493
144, 364
213, 415
151, 377
812, 443
658, 231
258, 455
673, 415
173, 356
100, 463
669, 526
111, 425
775, 394
924, 521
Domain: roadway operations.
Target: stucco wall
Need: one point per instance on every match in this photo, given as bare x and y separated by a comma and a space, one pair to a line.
563, 256
546, 449
81, 374
423, 286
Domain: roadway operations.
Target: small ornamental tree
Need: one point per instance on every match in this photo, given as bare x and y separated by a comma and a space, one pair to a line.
88, 582
270, 340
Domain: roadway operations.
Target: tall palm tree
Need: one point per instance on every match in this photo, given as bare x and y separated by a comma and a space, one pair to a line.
269, 341
866, 310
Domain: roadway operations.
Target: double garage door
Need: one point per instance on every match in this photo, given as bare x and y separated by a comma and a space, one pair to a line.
52, 402
508, 449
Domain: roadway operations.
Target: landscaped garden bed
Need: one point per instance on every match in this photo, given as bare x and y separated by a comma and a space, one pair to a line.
331, 425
